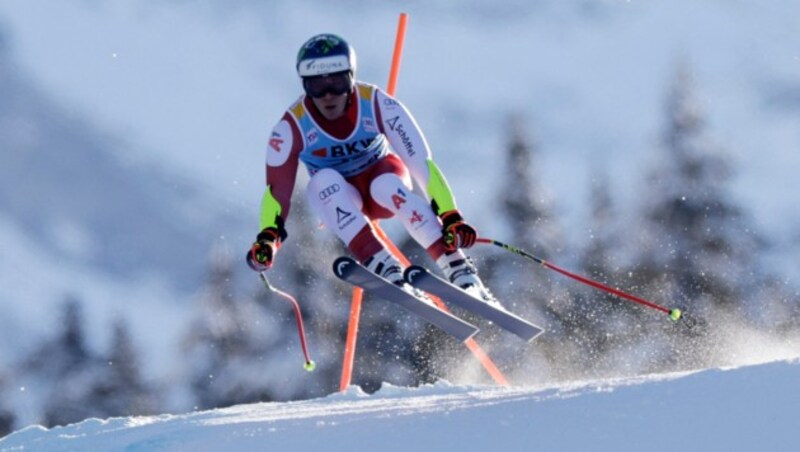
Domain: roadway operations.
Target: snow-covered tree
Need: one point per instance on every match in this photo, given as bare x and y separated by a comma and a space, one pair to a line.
527, 215
526, 204
66, 351
601, 323
119, 388
528, 218
697, 246
7, 417
104, 386
601, 256
64, 367
220, 343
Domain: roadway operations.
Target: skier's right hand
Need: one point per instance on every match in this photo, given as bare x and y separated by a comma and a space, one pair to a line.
457, 233
262, 253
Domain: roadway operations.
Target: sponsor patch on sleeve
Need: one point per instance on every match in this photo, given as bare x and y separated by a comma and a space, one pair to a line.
280, 144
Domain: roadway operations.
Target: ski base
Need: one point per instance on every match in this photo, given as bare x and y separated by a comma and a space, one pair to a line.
347, 269
423, 279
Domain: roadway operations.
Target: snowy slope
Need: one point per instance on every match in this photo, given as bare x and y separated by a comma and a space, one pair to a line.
748, 408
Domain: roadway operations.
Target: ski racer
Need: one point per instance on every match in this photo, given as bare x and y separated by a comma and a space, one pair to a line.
361, 148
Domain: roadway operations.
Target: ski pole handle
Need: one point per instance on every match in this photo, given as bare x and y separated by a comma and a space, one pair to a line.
309, 364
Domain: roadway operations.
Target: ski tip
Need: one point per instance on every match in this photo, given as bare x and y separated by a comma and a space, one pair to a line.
341, 264
413, 272
470, 335
535, 335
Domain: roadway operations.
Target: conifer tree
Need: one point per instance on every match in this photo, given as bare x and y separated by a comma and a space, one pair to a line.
527, 214
7, 417
67, 350
600, 258
64, 366
119, 389
698, 244
529, 223
227, 344
602, 324
526, 204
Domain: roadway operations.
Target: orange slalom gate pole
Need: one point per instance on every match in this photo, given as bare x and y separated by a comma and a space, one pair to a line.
471, 344
398, 53
355, 308
350, 342
358, 293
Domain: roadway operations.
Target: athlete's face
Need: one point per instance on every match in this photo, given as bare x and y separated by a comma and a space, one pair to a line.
331, 106
329, 92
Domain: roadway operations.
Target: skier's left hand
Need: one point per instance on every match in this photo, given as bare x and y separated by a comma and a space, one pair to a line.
262, 253
456, 232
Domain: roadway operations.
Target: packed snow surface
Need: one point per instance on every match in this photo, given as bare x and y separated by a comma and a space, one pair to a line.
746, 408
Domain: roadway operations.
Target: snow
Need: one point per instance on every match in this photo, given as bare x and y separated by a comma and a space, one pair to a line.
743, 408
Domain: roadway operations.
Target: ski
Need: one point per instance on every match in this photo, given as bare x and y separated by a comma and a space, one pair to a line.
349, 270
423, 279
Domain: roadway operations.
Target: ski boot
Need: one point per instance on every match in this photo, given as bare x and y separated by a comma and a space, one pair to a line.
461, 271
385, 265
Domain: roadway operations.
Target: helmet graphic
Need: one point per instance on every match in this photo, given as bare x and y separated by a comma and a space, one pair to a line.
325, 54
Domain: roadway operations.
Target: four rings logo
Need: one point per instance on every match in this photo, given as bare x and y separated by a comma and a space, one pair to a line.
329, 191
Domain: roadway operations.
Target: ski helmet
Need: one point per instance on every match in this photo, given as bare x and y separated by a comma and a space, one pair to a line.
325, 54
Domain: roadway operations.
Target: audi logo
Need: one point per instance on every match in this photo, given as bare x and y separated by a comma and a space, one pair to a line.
328, 191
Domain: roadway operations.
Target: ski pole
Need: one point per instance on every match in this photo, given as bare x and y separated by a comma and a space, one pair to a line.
675, 314
309, 364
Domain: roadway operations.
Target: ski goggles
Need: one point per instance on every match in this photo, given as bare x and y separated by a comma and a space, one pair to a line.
337, 84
